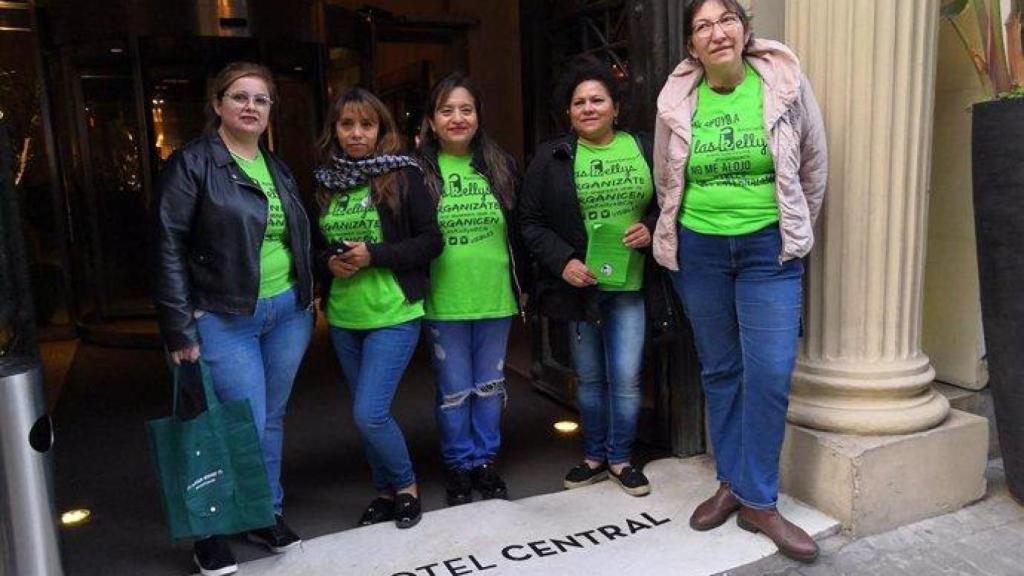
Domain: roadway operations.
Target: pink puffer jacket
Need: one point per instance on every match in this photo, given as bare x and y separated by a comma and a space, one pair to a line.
796, 138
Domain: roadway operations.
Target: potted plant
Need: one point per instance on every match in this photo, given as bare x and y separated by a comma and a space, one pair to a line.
997, 149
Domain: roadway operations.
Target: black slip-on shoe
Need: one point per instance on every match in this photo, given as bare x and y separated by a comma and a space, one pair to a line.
279, 538
583, 475
213, 556
407, 510
380, 510
632, 481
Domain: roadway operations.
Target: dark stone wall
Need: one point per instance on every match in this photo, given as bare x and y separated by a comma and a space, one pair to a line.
17, 328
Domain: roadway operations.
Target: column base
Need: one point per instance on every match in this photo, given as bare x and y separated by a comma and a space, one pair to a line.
876, 483
892, 397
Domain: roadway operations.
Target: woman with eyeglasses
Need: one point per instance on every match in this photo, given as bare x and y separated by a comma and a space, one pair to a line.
740, 167
377, 235
234, 284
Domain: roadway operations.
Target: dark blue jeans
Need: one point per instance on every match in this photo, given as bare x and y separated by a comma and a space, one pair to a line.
373, 362
255, 358
744, 306
608, 361
468, 357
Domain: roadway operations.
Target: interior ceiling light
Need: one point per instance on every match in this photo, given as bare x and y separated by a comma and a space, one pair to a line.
75, 517
566, 426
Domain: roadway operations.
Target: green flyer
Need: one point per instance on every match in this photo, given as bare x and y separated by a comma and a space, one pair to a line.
607, 257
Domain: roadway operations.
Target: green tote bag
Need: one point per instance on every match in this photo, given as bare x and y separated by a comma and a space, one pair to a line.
210, 467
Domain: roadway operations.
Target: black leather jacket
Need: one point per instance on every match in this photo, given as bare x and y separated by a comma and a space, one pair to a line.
552, 227
211, 219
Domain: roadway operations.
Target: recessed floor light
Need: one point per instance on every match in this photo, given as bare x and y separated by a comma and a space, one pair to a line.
566, 426
75, 517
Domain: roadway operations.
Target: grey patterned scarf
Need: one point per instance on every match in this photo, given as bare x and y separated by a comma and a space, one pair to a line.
342, 173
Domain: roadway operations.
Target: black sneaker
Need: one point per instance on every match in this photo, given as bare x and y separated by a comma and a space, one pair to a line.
486, 480
380, 510
407, 510
213, 557
583, 475
458, 486
279, 538
632, 481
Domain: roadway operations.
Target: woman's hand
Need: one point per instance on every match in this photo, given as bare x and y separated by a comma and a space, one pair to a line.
340, 268
357, 255
190, 354
637, 236
577, 274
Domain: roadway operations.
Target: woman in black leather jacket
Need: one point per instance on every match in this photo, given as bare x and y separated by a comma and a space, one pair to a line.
233, 279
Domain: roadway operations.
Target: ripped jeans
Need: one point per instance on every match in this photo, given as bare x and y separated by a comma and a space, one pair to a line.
468, 357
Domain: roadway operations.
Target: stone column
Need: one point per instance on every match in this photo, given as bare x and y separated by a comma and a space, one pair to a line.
861, 369
869, 442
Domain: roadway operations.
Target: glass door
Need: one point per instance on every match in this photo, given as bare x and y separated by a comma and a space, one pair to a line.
108, 197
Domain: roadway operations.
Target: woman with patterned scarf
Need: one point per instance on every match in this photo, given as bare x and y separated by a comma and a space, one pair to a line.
378, 233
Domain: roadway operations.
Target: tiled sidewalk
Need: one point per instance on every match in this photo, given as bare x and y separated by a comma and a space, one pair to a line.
985, 539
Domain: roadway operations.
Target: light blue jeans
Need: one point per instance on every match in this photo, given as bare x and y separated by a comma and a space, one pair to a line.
468, 357
373, 362
255, 358
744, 306
608, 361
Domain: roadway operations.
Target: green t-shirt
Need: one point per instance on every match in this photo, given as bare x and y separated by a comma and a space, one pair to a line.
730, 179
275, 257
470, 279
372, 297
613, 184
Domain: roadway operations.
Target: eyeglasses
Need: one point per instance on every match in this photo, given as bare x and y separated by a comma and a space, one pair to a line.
243, 98
729, 22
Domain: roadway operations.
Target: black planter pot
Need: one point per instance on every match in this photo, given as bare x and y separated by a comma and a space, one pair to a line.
998, 171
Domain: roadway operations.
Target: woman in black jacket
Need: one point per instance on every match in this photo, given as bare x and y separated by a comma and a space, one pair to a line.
476, 284
378, 233
586, 211
234, 283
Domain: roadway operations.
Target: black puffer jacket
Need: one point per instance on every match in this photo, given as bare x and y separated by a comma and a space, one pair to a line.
411, 240
553, 229
211, 219
519, 271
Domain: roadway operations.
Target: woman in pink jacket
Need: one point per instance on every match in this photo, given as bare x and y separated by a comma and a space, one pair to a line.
740, 170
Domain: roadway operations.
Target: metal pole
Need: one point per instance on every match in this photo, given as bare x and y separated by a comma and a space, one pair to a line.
28, 519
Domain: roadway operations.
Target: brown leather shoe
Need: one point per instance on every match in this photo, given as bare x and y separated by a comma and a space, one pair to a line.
714, 511
792, 541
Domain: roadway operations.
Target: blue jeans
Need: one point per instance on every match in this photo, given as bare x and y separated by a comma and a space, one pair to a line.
373, 362
744, 306
608, 361
469, 364
255, 358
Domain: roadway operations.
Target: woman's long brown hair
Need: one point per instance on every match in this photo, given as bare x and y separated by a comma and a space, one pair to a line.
496, 160
383, 188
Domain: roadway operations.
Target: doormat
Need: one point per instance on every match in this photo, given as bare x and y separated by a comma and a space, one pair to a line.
584, 532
